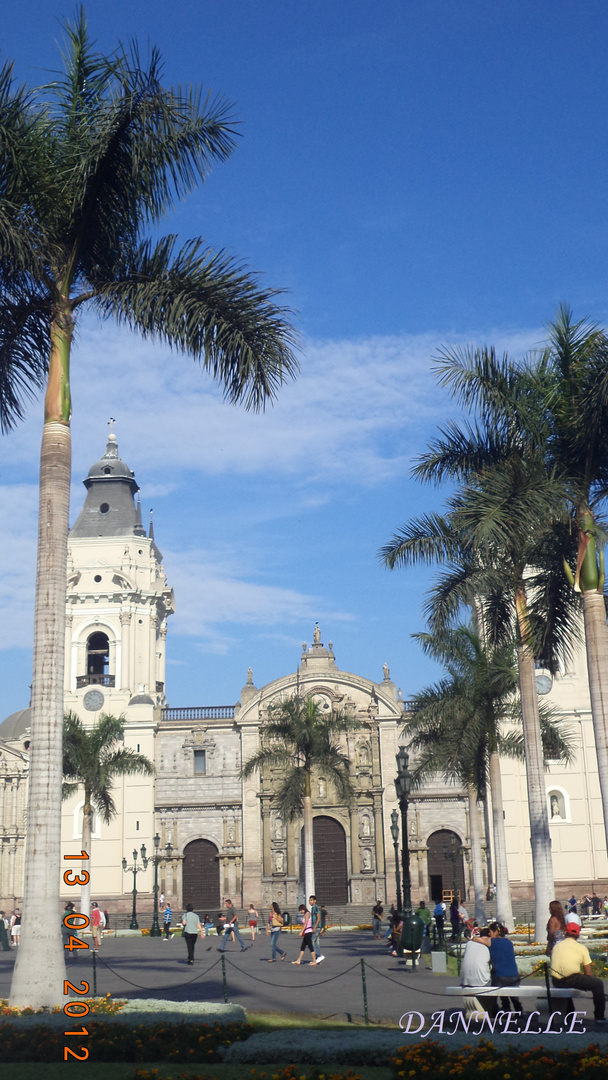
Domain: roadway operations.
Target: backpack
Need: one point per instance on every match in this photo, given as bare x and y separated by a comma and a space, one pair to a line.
439, 910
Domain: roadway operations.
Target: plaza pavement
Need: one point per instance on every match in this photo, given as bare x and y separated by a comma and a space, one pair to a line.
153, 968
138, 967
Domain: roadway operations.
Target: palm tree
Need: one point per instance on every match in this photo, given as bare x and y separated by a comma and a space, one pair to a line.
457, 727
576, 368
91, 759
87, 165
497, 537
298, 737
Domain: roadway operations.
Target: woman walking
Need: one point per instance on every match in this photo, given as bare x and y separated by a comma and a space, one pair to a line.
306, 935
16, 928
252, 916
192, 928
275, 925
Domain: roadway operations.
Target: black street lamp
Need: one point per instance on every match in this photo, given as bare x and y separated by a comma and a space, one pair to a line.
413, 927
395, 836
156, 858
135, 870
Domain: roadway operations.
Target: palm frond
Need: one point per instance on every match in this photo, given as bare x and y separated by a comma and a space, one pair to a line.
206, 305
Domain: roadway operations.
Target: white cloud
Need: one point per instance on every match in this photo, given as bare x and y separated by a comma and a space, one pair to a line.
213, 592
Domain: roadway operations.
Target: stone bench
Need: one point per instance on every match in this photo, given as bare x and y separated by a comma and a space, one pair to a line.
523, 991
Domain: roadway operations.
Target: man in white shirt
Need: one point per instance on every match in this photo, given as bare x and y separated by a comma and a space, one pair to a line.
476, 970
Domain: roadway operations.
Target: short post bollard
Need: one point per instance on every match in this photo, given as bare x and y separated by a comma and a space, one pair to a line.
364, 993
224, 980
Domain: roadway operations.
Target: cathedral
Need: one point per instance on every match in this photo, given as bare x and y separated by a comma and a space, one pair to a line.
226, 835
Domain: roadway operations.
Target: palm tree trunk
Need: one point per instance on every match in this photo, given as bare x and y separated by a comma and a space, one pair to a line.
476, 856
596, 643
540, 837
85, 890
504, 910
40, 966
309, 859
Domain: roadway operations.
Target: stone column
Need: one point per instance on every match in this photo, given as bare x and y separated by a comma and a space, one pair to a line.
354, 840
125, 651
379, 837
266, 853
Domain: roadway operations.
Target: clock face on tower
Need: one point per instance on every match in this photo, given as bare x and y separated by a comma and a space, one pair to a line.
544, 683
93, 700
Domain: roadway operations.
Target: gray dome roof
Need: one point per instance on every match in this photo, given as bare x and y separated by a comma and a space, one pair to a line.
141, 699
15, 725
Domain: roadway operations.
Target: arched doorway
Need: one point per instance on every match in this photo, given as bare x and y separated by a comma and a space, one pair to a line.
201, 877
445, 865
98, 654
331, 878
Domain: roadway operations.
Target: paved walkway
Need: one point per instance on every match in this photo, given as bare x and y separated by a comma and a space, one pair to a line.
153, 968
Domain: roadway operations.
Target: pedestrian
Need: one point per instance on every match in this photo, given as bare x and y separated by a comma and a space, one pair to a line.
377, 912
161, 901
231, 927
306, 935
572, 903
275, 925
504, 964
106, 920
424, 913
167, 917
585, 905
3, 934
96, 925
324, 920
252, 918
596, 904
567, 958
192, 927
556, 927
15, 925
439, 917
396, 933
209, 925
315, 917
455, 920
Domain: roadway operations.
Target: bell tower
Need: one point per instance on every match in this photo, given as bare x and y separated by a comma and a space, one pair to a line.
118, 600
118, 603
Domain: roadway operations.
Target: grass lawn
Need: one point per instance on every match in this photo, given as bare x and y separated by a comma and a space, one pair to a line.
102, 1070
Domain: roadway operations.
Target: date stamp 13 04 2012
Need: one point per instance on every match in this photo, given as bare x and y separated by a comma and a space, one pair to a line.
76, 921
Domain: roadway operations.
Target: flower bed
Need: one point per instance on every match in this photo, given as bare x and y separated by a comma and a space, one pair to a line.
421, 1060
165, 1041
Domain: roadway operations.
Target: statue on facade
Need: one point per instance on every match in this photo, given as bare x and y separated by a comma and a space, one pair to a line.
279, 862
387, 672
367, 859
316, 637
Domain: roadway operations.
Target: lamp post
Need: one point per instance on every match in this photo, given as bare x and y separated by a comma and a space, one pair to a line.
135, 870
395, 836
156, 858
413, 927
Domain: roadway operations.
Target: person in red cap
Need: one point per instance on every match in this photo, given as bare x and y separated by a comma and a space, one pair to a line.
567, 958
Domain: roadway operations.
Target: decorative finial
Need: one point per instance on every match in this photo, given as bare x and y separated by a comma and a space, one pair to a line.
330, 646
303, 646
249, 676
111, 436
316, 637
399, 695
151, 530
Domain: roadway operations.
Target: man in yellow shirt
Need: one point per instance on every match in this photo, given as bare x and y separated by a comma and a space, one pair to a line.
567, 958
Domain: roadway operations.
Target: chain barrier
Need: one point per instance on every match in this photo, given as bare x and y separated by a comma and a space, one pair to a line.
153, 989
286, 986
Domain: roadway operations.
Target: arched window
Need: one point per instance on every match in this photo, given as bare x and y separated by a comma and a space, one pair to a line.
98, 653
78, 816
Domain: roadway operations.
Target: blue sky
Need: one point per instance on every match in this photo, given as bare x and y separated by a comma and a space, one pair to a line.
415, 174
